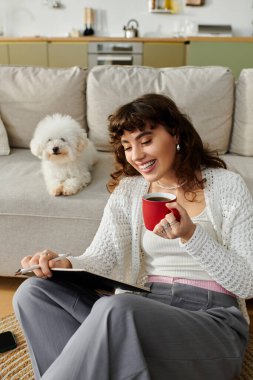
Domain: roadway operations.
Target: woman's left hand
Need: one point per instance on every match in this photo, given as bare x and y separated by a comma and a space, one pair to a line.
170, 228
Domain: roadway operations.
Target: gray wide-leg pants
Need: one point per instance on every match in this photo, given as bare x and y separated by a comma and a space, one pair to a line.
177, 332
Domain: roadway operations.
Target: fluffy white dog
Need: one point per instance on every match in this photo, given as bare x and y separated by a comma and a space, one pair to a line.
67, 154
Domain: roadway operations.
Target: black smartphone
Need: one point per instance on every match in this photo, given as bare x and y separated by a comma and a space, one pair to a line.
7, 341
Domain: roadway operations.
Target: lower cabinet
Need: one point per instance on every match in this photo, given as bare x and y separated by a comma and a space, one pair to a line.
235, 55
28, 53
52, 54
4, 55
164, 54
61, 54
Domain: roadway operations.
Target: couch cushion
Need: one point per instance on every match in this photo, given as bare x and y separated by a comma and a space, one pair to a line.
242, 134
204, 93
4, 143
64, 224
242, 166
28, 94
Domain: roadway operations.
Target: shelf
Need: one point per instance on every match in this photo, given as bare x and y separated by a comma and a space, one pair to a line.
167, 11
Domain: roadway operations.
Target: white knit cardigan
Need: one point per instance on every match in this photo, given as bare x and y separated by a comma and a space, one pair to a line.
116, 249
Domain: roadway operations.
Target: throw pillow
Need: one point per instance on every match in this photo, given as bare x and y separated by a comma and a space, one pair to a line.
205, 94
242, 137
4, 143
30, 93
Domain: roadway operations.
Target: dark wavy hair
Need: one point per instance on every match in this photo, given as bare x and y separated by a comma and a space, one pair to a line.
156, 109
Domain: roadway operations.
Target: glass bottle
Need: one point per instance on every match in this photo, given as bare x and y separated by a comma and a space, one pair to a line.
88, 22
151, 5
167, 4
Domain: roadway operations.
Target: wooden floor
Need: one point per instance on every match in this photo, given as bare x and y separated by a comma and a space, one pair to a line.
250, 311
8, 286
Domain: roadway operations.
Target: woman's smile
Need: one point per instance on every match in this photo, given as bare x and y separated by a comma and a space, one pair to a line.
147, 167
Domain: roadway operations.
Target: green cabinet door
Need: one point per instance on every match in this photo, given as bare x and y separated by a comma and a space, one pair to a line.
163, 54
236, 55
4, 55
28, 53
67, 54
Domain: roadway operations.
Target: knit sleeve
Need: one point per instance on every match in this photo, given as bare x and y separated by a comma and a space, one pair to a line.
229, 263
103, 254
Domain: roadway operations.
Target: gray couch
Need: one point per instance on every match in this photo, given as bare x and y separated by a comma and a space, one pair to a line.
31, 219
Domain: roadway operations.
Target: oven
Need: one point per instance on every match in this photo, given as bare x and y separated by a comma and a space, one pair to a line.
114, 53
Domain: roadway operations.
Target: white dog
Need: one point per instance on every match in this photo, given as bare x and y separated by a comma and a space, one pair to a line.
67, 154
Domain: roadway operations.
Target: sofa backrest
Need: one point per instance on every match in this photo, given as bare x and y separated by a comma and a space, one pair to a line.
242, 136
205, 94
28, 94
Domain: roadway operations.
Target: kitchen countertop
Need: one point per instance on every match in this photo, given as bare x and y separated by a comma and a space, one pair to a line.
122, 39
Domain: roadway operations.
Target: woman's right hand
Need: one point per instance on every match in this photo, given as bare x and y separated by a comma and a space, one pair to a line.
44, 260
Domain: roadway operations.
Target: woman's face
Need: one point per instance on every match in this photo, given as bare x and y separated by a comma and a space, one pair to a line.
151, 152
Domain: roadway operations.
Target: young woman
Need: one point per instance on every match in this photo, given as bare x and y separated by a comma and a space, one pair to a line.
193, 324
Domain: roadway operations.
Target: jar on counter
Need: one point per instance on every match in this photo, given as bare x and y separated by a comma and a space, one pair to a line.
167, 4
151, 5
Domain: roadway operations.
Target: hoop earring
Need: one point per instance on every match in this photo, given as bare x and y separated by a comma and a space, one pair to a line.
178, 147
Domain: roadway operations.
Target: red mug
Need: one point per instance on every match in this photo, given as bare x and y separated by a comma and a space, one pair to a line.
154, 209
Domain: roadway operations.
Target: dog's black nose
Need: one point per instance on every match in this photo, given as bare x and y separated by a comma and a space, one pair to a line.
55, 149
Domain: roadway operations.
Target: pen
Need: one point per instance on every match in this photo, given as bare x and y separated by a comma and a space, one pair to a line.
30, 269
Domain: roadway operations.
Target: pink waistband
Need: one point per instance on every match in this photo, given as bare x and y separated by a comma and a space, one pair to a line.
210, 285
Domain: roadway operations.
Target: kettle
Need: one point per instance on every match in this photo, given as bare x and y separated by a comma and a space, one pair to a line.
130, 29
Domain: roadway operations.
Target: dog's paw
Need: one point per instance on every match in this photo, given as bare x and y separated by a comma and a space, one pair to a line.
68, 191
86, 179
56, 191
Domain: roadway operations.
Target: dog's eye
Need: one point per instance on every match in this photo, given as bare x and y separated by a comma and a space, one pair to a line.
62, 139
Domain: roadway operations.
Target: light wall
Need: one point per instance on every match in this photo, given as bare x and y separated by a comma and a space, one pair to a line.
33, 17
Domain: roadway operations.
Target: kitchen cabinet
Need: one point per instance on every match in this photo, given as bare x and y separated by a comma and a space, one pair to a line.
4, 55
67, 54
163, 54
236, 55
46, 53
28, 53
